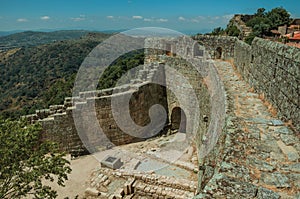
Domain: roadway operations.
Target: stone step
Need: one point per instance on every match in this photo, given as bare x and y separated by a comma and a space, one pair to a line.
154, 191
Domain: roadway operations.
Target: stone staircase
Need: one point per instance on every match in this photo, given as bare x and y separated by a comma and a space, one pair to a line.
145, 74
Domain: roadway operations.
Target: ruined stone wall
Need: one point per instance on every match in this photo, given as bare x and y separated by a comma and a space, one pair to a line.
59, 120
201, 74
273, 69
185, 70
219, 47
198, 86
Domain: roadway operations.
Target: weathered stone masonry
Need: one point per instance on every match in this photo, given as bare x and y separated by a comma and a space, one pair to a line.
58, 122
273, 69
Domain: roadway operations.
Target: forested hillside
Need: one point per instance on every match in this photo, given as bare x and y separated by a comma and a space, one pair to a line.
33, 38
36, 77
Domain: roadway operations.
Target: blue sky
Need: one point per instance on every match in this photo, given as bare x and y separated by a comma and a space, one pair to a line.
180, 15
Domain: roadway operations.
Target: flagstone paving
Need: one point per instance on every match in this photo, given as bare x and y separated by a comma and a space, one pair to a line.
261, 155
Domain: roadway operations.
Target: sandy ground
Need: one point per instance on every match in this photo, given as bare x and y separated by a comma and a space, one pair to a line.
82, 167
81, 172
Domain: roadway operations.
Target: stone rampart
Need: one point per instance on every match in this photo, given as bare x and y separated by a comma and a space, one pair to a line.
219, 47
274, 70
59, 125
271, 68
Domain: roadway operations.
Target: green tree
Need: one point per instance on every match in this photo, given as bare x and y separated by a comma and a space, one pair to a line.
278, 16
263, 22
217, 31
262, 27
250, 38
25, 161
260, 12
232, 31
119, 67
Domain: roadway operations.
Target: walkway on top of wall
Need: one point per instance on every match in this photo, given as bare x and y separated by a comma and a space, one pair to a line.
260, 155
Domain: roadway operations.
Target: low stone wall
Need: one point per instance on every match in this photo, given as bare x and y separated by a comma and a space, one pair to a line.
273, 69
137, 184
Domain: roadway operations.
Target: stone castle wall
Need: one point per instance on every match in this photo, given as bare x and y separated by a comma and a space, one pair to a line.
274, 70
181, 57
219, 47
271, 68
200, 72
58, 121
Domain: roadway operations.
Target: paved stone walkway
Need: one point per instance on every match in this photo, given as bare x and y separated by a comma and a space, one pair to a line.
261, 155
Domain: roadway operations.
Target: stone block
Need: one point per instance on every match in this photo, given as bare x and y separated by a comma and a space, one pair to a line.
111, 162
266, 193
91, 192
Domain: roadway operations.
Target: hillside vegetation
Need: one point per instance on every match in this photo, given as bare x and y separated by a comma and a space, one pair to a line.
33, 38
261, 22
35, 77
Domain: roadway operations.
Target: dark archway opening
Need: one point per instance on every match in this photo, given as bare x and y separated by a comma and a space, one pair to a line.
188, 51
197, 51
178, 120
219, 53
168, 50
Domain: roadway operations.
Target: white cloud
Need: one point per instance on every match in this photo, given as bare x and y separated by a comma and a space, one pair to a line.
199, 19
45, 18
181, 19
146, 19
22, 20
137, 17
162, 20
228, 16
80, 18
110, 17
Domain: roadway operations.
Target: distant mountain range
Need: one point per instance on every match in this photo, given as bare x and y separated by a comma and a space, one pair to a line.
33, 38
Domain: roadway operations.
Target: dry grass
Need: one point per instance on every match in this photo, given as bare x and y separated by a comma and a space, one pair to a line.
289, 191
270, 187
267, 104
256, 174
235, 70
251, 90
237, 105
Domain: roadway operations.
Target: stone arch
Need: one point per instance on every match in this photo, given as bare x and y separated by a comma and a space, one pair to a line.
219, 52
196, 51
178, 120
